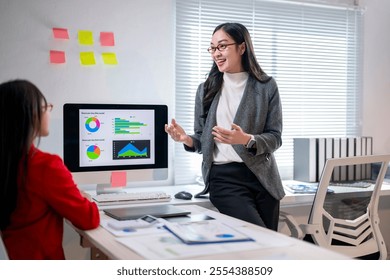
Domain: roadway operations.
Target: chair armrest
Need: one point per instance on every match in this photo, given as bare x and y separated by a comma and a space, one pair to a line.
292, 224
310, 229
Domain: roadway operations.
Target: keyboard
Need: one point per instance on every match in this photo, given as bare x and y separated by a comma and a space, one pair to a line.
130, 197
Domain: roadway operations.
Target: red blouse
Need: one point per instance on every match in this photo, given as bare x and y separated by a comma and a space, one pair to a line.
50, 195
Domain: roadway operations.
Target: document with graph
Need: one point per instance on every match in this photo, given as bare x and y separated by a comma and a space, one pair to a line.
205, 232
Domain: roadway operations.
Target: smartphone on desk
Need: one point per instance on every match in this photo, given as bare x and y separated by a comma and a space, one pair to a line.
143, 222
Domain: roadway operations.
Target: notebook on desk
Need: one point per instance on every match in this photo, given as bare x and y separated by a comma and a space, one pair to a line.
158, 211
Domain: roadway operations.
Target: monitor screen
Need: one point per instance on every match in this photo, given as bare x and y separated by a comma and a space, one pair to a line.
111, 137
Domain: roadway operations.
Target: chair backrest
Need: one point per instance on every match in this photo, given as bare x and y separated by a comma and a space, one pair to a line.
3, 251
348, 222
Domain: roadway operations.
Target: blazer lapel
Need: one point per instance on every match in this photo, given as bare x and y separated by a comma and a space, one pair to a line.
240, 118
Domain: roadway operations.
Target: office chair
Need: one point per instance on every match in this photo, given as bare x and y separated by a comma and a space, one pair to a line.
3, 251
347, 221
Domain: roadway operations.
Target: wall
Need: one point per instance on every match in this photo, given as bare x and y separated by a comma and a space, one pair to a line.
144, 44
376, 82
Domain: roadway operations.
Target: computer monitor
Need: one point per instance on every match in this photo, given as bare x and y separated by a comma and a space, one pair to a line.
102, 138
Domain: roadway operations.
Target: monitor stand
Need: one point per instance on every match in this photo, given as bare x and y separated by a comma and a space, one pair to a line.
118, 182
108, 188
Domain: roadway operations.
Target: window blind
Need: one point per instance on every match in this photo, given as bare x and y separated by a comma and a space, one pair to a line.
312, 51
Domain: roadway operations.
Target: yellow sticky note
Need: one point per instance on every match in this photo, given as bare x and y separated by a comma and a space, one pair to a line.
87, 58
109, 58
85, 37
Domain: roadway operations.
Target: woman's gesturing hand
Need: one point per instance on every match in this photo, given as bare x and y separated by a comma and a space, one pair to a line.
235, 135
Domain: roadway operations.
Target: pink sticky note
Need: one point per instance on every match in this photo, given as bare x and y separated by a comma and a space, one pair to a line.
118, 179
57, 56
107, 39
60, 33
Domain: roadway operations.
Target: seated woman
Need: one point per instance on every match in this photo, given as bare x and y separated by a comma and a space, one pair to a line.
37, 191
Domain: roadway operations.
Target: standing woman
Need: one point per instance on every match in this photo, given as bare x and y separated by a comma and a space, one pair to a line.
36, 189
238, 127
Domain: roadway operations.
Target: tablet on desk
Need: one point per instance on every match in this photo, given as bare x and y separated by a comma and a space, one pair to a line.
159, 211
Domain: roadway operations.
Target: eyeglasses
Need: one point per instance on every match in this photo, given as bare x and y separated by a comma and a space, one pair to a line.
48, 107
220, 47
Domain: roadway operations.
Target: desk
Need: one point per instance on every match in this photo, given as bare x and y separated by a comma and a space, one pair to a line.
293, 200
298, 205
106, 243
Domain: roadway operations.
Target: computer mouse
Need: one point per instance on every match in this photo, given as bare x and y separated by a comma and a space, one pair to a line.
183, 195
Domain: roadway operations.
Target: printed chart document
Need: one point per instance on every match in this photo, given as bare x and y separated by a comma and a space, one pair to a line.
132, 232
165, 245
205, 232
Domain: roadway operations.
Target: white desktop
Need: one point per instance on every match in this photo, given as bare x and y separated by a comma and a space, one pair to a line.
102, 141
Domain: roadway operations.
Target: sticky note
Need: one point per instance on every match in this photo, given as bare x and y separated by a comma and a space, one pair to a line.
57, 56
107, 39
60, 33
109, 58
118, 179
85, 37
87, 58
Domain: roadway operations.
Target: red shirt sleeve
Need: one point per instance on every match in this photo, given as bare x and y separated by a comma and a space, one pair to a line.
62, 194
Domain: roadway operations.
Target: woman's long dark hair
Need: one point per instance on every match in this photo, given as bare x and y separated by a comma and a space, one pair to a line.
239, 33
20, 121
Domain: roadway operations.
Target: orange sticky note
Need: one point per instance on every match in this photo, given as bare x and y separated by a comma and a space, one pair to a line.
57, 56
60, 33
107, 39
87, 58
85, 37
118, 179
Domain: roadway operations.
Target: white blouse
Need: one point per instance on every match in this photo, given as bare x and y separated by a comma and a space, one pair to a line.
232, 90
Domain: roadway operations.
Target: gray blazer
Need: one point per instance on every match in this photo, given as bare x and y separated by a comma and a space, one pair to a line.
260, 114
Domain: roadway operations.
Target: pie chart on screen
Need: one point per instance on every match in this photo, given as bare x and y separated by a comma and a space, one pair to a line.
93, 152
92, 124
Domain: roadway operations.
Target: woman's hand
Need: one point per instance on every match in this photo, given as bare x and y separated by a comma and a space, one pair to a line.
177, 133
235, 135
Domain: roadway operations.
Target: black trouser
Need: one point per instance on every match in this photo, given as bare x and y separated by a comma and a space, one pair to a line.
235, 191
